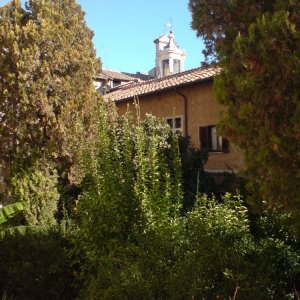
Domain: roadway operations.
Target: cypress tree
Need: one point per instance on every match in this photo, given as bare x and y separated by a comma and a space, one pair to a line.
257, 44
47, 64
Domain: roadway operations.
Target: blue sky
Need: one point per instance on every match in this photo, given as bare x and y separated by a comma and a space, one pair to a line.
125, 30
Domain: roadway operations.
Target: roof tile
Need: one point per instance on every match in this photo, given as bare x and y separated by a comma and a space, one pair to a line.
131, 90
108, 74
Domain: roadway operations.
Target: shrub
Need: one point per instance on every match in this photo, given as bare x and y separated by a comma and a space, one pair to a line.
135, 243
131, 193
209, 253
36, 265
215, 242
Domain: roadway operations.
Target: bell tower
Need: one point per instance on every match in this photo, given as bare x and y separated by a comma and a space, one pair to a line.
169, 57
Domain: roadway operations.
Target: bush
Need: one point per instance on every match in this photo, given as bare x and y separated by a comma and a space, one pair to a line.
209, 253
215, 242
135, 243
36, 265
131, 193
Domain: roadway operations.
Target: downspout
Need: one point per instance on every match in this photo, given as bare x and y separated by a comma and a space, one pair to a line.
185, 110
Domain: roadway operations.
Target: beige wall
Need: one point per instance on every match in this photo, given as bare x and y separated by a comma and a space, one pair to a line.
202, 110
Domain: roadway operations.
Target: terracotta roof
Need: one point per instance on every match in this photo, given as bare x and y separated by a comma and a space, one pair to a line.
132, 90
108, 74
139, 75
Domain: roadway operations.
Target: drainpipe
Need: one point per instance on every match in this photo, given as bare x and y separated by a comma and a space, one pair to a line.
185, 111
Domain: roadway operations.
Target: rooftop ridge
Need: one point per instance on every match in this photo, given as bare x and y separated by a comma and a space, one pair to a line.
191, 76
138, 84
114, 74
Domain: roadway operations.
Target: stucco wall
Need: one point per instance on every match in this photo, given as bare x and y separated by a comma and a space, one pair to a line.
202, 110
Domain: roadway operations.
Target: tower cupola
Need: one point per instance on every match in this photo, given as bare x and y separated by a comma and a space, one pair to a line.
169, 57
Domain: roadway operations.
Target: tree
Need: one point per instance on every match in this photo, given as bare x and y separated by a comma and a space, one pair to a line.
218, 22
257, 45
47, 63
37, 187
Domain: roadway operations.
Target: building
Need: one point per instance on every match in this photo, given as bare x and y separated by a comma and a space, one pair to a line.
108, 80
169, 57
169, 60
185, 100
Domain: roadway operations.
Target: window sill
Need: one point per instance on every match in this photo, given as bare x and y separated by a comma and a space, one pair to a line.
217, 152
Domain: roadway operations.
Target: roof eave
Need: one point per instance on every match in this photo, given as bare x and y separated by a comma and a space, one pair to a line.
165, 89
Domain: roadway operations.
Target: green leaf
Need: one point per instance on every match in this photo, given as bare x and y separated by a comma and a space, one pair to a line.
10, 210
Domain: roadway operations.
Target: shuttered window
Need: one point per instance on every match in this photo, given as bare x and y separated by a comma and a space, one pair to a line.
210, 141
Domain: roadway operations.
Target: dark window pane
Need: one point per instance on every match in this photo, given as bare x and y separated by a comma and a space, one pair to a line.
170, 122
177, 123
210, 140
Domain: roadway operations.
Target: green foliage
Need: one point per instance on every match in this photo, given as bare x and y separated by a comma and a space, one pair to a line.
258, 50
46, 88
194, 179
263, 115
211, 252
48, 103
37, 187
36, 265
10, 210
215, 242
134, 243
129, 195
275, 258
6, 297
217, 22
221, 252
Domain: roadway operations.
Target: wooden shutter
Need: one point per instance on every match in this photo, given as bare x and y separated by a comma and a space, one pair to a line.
204, 137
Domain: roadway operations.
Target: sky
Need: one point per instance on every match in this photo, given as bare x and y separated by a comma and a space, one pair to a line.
124, 31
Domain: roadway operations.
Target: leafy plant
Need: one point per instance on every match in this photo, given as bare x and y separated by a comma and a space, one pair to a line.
132, 190
36, 265
10, 210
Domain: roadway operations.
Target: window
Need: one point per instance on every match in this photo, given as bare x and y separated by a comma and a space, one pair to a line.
116, 83
176, 66
166, 67
210, 141
175, 123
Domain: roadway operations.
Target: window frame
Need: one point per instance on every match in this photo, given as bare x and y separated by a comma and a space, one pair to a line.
210, 140
173, 128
